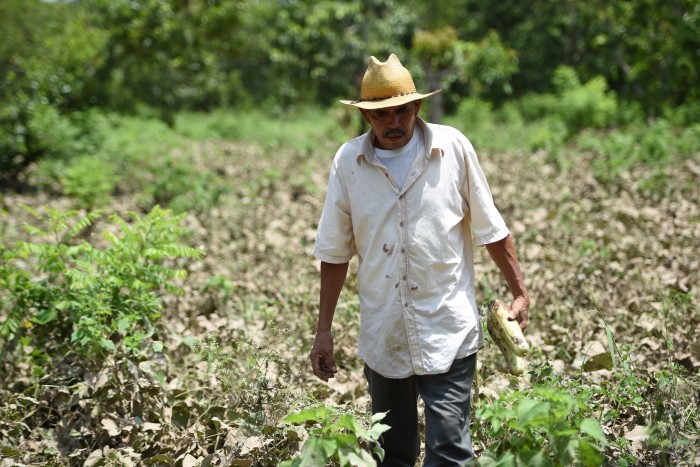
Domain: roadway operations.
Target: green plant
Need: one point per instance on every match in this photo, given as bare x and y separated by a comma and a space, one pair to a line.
549, 134
302, 128
64, 297
674, 393
90, 181
176, 183
578, 105
675, 417
245, 372
219, 288
500, 130
337, 437
688, 143
542, 426
48, 57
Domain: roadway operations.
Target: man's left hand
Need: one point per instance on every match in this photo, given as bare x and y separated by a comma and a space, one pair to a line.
519, 311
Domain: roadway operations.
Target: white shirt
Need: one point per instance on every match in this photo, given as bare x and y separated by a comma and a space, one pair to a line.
415, 245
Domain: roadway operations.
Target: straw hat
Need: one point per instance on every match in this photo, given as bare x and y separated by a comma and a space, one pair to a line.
387, 84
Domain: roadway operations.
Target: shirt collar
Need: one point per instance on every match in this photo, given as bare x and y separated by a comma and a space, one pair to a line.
367, 147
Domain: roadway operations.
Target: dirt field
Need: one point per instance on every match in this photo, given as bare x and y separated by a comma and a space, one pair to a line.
594, 254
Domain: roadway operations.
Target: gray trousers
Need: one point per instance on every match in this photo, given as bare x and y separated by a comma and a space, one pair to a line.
447, 398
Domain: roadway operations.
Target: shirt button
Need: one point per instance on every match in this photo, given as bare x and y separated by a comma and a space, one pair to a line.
404, 277
403, 250
401, 224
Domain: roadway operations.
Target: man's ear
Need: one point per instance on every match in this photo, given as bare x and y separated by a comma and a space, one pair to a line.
418, 102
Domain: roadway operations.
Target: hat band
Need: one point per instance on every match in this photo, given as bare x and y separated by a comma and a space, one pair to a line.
376, 99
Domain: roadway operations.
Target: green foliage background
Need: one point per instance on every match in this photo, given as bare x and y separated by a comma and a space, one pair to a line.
60, 59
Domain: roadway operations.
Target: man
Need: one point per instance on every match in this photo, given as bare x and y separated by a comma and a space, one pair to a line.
410, 199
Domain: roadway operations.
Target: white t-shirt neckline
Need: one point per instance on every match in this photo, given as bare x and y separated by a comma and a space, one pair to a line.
399, 161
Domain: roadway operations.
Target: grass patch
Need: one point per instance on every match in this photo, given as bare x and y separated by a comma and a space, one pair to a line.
299, 129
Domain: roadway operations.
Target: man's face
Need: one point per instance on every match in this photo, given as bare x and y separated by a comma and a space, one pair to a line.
393, 126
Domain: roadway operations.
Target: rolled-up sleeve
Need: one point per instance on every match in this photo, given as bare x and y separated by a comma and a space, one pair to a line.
334, 238
487, 224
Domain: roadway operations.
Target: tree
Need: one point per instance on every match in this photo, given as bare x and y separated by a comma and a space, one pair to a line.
320, 48
481, 69
49, 55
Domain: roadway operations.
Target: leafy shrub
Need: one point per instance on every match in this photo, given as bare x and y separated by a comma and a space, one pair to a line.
657, 143
490, 65
629, 113
45, 83
301, 128
613, 154
536, 106
90, 181
654, 145
548, 134
179, 185
337, 437
500, 129
686, 114
244, 372
474, 114
579, 106
543, 426
63, 296
588, 106
689, 141
32, 130
131, 155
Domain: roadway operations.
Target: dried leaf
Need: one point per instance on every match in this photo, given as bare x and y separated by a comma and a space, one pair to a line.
149, 426
190, 461
77, 452
637, 436
110, 426
252, 443
93, 458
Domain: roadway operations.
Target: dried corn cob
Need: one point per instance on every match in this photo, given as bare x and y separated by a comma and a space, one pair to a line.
507, 335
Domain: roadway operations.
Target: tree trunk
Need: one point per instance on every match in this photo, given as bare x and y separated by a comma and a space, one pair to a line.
436, 105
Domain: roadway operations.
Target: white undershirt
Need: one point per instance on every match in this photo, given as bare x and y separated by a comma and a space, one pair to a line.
399, 161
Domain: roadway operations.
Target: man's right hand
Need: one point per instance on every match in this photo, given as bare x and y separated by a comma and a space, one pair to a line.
321, 356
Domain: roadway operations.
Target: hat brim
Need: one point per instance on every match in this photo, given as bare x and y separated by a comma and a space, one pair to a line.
390, 102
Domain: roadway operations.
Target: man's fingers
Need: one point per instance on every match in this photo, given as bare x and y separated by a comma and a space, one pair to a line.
328, 363
315, 365
321, 369
523, 323
515, 314
519, 313
328, 368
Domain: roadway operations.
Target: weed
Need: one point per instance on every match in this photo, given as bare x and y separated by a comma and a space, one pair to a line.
63, 296
252, 379
90, 181
176, 183
541, 426
338, 437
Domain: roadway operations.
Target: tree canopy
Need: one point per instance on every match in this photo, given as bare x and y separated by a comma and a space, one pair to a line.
61, 56
204, 53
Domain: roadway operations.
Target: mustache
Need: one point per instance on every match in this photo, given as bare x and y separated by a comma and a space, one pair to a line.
394, 132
